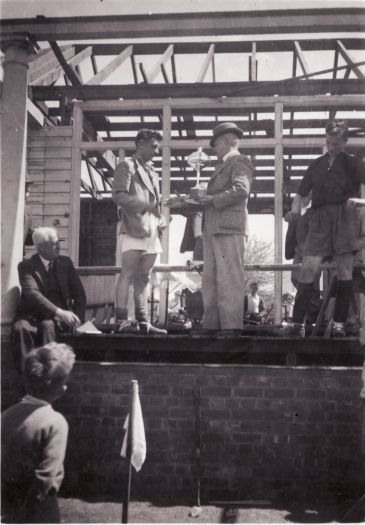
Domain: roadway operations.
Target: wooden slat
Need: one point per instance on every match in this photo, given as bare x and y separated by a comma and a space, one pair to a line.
301, 58
57, 164
111, 67
58, 153
69, 70
206, 64
156, 69
47, 64
75, 185
344, 53
56, 198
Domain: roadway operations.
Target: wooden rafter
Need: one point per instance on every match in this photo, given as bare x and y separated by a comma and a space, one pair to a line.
43, 67
301, 58
344, 53
207, 61
111, 67
161, 61
69, 70
56, 72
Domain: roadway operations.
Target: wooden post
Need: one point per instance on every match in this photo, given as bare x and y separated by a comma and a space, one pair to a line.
278, 207
165, 191
74, 228
362, 296
13, 165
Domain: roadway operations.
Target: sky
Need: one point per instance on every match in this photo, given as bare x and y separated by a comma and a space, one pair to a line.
55, 8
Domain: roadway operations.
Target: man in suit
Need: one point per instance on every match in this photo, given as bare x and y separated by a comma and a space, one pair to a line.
52, 296
225, 232
136, 192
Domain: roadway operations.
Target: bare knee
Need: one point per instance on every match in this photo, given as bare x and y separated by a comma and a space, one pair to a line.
309, 269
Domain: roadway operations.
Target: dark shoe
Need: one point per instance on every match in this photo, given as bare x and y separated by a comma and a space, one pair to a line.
125, 326
291, 330
338, 330
149, 329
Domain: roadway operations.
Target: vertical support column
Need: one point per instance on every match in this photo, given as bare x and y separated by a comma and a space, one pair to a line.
362, 296
13, 166
74, 231
165, 192
118, 253
278, 207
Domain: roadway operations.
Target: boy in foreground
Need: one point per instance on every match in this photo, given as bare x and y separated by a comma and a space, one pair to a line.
34, 439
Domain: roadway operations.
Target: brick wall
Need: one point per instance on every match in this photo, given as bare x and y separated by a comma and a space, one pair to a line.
262, 428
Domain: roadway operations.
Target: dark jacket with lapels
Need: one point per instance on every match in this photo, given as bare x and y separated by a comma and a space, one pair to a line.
33, 281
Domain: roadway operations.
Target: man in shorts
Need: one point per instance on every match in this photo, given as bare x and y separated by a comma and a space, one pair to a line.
333, 229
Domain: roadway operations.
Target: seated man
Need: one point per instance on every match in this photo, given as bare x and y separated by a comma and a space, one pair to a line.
253, 305
333, 228
52, 296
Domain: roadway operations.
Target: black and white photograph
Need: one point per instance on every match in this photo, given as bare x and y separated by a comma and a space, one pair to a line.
182, 261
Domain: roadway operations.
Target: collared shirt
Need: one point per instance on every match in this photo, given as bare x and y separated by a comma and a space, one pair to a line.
45, 262
253, 304
31, 400
335, 183
231, 153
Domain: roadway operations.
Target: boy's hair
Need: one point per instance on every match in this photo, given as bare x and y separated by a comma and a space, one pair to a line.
147, 134
336, 128
44, 234
48, 367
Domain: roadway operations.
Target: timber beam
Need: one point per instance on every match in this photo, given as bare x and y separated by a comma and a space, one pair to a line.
321, 20
290, 87
317, 43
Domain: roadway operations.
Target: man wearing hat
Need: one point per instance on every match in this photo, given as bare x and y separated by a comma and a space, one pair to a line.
333, 226
225, 232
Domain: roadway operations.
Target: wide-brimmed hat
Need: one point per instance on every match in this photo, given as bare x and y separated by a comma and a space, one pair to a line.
226, 127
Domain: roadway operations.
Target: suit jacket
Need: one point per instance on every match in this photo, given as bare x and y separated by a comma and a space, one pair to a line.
33, 299
230, 187
134, 189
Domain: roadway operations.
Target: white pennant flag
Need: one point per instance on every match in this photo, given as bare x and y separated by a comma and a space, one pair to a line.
139, 447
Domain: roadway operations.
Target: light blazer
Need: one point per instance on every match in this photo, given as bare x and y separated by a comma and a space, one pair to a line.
230, 187
132, 191
33, 299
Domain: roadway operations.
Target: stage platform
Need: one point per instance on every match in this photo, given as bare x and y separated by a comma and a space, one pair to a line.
258, 348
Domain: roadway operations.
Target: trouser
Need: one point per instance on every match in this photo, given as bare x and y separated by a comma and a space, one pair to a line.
222, 285
137, 267
20, 505
30, 333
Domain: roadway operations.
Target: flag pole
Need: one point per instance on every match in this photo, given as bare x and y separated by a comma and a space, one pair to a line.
127, 493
